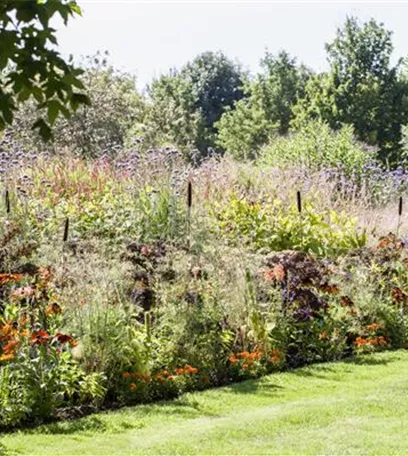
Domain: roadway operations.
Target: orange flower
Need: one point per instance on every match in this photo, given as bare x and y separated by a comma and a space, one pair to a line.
190, 370
171, 378
53, 309
243, 354
381, 340
65, 339
7, 331
276, 273
360, 341
7, 357
269, 276
9, 278
274, 359
323, 335
279, 272
232, 359
10, 347
179, 371
132, 386
373, 327
126, 375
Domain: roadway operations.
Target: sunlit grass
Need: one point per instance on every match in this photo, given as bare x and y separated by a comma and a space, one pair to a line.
354, 407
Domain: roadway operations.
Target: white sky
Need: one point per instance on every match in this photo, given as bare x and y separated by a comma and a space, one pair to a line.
148, 37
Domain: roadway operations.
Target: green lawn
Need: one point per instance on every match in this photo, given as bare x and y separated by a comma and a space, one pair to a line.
354, 407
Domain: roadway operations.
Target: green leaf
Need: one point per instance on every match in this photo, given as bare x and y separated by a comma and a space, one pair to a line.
43, 129
78, 99
75, 8
53, 109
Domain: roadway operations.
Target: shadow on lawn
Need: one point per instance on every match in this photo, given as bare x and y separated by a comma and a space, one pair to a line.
258, 386
126, 418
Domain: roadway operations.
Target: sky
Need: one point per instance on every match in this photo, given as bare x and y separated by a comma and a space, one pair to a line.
149, 37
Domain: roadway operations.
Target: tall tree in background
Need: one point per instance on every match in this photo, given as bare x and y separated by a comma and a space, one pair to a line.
186, 104
30, 67
268, 107
216, 82
171, 117
362, 88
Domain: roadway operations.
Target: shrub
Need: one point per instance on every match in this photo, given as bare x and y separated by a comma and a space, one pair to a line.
315, 146
272, 226
36, 367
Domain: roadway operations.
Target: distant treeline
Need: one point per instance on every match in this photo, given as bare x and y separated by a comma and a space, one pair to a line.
212, 106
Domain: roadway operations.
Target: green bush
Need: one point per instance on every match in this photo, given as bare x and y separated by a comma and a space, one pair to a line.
270, 225
315, 146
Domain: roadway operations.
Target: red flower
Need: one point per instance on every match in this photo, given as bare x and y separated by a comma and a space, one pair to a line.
9, 278
39, 338
65, 339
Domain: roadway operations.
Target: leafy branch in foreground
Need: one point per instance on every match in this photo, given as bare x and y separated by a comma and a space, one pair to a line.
30, 67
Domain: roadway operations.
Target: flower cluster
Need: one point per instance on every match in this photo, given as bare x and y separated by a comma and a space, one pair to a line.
248, 360
11, 339
373, 341
162, 376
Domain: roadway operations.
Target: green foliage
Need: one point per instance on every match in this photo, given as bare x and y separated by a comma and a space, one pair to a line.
243, 130
37, 371
186, 104
267, 108
362, 89
171, 117
316, 147
29, 65
147, 316
95, 130
269, 225
216, 83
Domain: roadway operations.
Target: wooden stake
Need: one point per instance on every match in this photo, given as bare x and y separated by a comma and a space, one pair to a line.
299, 202
7, 197
399, 214
66, 230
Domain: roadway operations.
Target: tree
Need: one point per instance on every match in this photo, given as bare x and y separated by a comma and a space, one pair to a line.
30, 67
267, 109
171, 117
362, 88
216, 82
186, 104
91, 131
